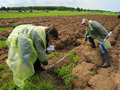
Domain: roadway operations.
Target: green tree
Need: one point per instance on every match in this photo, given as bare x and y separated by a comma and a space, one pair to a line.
78, 9
3, 8
81, 9
61, 8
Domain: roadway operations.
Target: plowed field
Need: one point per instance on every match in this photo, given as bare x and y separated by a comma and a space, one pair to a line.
71, 35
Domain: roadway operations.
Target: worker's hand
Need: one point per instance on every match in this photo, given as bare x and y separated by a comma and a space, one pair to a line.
107, 37
46, 67
83, 42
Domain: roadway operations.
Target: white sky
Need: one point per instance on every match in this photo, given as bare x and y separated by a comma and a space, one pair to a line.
108, 5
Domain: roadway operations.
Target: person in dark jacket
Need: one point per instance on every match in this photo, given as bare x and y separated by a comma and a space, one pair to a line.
95, 30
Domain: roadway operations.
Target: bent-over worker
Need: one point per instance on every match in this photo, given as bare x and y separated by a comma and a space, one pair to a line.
27, 45
95, 30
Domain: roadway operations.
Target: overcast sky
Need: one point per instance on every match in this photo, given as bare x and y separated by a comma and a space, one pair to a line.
108, 5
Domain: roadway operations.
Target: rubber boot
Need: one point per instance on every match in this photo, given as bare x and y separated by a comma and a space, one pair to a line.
106, 58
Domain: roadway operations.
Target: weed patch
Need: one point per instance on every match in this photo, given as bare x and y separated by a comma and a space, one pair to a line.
65, 73
52, 55
37, 83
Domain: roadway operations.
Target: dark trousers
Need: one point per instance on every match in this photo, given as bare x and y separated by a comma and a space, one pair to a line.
37, 65
101, 46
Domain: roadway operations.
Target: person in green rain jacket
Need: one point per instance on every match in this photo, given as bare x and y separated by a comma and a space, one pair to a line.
95, 30
27, 50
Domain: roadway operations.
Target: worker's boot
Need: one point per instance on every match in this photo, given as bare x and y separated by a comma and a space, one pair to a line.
92, 43
106, 58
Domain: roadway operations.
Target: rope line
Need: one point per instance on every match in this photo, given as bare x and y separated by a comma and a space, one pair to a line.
62, 58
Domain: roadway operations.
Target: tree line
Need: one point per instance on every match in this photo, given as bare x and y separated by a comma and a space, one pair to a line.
43, 8
58, 8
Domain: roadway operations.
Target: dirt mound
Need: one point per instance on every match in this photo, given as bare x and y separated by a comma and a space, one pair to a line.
90, 55
100, 82
71, 34
89, 71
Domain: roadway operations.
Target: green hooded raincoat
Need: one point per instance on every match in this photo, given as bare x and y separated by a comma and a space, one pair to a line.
26, 43
97, 31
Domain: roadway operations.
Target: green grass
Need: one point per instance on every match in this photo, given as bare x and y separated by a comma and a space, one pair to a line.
4, 29
2, 43
50, 13
37, 83
3, 40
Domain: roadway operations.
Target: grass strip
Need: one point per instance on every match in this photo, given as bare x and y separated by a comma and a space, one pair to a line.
4, 29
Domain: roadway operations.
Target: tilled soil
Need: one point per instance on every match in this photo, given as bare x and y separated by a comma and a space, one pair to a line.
71, 34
